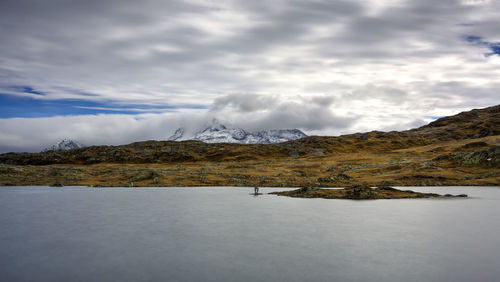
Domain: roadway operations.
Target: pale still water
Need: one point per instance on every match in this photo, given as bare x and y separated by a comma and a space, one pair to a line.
224, 234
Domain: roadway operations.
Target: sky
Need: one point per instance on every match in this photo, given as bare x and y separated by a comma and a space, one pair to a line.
114, 72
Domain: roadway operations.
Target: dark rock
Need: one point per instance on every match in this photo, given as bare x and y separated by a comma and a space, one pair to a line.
474, 145
360, 192
325, 179
308, 189
145, 175
388, 188
342, 176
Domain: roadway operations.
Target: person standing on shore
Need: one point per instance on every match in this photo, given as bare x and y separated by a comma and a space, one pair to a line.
256, 190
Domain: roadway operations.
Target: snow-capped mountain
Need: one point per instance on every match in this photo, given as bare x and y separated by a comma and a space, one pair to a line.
65, 144
218, 133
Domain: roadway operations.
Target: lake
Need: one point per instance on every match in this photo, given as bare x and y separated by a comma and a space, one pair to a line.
225, 234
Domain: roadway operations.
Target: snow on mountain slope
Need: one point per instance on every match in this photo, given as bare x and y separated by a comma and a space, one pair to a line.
218, 133
178, 135
65, 144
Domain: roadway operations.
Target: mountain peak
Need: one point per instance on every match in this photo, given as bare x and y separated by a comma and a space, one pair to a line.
178, 134
64, 144
219, 133
215, 126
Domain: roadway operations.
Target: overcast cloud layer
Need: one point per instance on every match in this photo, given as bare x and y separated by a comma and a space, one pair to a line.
136, 70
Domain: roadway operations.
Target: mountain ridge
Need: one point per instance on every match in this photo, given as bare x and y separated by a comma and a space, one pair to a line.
64, 144
195, 150
219, 133
459, 150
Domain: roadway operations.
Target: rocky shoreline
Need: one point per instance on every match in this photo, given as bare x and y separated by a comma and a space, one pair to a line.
361, 192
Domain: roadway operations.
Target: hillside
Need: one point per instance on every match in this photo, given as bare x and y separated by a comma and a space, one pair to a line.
465, 125
457, 150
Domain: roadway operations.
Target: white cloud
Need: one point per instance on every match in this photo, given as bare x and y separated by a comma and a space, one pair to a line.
34, 134
327, 67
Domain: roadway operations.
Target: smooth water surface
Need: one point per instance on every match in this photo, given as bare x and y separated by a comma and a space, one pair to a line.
225, 234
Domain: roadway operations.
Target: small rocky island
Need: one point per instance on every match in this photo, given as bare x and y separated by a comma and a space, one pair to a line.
360, 192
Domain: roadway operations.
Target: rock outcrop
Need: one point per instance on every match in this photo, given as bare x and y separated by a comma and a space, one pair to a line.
360, 192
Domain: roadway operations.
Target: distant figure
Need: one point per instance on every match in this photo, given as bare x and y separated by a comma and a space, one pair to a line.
256, 190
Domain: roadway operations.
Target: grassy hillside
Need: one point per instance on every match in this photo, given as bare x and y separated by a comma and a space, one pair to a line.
459, 150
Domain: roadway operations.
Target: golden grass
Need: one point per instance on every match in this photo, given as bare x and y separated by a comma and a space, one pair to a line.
418, 165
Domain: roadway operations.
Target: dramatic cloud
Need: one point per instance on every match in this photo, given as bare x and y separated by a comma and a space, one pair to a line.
327, 67
256, 112
245, 102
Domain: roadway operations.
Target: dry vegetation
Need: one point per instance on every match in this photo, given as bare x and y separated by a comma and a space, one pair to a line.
360, 192
459, 150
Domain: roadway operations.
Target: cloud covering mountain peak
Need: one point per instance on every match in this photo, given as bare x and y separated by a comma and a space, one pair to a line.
219, 133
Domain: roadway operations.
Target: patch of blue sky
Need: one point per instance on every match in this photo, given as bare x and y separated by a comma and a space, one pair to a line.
473, 38
24, 89
478, 40
495, 48
434, 117
12, 106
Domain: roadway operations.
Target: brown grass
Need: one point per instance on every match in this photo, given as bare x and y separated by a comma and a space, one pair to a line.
421, 165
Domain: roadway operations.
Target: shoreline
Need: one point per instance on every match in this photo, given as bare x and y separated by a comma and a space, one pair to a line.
243, 187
